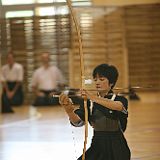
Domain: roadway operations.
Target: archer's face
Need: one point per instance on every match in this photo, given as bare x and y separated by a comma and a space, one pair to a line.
102, 83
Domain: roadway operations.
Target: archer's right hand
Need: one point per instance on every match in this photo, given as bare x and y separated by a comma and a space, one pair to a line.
64, 99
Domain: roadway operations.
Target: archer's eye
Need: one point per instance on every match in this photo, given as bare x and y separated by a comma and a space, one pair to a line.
102, 79
95, 79
99, 79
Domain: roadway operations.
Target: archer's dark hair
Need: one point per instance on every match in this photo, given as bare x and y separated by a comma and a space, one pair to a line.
108, 71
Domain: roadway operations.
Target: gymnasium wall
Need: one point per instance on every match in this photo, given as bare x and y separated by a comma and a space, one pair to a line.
127, 37
122, 2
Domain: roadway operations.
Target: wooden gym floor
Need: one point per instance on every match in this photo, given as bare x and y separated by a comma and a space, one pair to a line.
49, 136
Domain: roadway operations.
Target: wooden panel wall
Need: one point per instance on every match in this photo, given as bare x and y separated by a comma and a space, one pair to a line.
143, 39
92, 31
28, 37
103, 42
123, 2
116, 44
127, 37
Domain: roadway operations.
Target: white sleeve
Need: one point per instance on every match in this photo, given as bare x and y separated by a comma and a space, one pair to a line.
2, 77
20, 73
60, 77
78, 124
124, 111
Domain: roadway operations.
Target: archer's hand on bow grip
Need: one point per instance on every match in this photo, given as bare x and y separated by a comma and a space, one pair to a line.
83, 94
66, 102
87, 86
86, 94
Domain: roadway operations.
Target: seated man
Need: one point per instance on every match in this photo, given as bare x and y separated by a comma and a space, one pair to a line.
46, 80
12, 77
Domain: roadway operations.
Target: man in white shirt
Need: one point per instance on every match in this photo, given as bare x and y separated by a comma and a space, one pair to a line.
46, 79
12, 78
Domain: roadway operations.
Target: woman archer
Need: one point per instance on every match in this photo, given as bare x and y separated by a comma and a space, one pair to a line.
108, 142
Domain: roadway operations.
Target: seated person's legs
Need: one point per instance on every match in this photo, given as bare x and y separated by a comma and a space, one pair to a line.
53, 101
6, 107
18, 97
40, 101
46, 100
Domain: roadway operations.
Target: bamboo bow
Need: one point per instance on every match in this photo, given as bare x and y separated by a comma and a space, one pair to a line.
82, 73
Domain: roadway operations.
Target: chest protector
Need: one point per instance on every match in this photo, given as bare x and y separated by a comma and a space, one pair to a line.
103, 119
